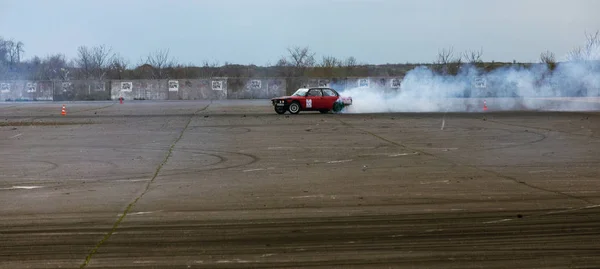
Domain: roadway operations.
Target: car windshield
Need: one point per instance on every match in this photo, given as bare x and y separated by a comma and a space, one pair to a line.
300, 92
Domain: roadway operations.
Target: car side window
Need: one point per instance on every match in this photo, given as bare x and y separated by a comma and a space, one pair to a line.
328, 92
314, 92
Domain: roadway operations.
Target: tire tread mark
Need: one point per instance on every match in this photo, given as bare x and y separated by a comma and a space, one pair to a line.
472, 166
92, 109
95, 249
540, 128
543, 137
77, 111
535, 187
8, 107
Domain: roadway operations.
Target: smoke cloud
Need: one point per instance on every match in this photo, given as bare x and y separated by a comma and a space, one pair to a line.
573, 85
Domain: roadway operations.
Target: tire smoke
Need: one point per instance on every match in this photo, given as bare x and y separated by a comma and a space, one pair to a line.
572, 85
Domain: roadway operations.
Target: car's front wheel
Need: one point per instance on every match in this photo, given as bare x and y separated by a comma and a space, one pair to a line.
279, 109
294, 108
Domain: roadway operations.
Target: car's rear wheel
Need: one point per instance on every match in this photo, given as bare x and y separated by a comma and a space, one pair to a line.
337, 107
294, 108
279, 109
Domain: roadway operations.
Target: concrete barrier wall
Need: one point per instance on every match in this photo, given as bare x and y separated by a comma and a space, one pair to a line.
26, 90
217, 88
139, 89
342, 84
256, 88
174, 89
81, 90
198, 89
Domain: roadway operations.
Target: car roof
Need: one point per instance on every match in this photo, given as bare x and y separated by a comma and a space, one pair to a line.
316, 88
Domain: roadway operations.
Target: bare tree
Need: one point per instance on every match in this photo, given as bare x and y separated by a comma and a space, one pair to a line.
447, 62
301, 57
473, 56
587, 52
284, 67
160, 62
297, 62
93, 62
19, 50
10, 52
330, 62
350, 62
53, 67
349, 66
3, 51
575, 54
445, 56
117, 67
209, 69
549, 59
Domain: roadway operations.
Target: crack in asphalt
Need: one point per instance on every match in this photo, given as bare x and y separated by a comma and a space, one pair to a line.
88, 258
588, 202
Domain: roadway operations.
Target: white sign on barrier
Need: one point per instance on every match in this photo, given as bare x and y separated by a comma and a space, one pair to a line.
66, 86
31, 87
217, 85
173, 85
4, 87
395, 83
363, 82
98, 86
126, 86
480, 82
255, 84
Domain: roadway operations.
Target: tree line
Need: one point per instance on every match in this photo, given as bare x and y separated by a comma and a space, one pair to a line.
102, 63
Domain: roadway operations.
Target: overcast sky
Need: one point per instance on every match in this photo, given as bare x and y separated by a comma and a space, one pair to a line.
259, 31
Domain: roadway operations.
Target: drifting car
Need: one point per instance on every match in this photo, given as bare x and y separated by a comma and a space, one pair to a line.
311, 99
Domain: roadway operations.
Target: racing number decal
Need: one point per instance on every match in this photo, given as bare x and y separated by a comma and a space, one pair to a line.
308, 103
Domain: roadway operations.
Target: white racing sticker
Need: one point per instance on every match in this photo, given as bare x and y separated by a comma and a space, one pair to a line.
308, 103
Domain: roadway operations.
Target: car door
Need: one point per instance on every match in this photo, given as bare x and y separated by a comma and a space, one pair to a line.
313, 99
329, 98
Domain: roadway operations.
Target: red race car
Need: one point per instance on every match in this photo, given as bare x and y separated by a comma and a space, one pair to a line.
311, 99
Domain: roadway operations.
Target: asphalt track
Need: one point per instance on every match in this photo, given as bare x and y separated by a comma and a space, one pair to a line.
230, 184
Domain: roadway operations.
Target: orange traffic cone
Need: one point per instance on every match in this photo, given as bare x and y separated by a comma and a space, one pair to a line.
64, 111
484, 106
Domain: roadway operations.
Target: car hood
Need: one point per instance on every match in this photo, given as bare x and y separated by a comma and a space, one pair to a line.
284, 97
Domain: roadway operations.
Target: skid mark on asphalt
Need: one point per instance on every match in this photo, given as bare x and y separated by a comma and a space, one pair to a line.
570, 210
497, 174
544, 129
88, 258
92, 109
75, 112
7, 107
15, 136
541, 137
535, 187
